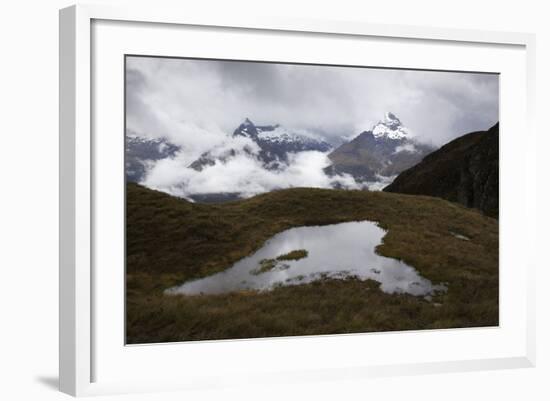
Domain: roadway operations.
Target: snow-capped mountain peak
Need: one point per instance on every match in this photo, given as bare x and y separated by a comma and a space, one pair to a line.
272, 144
390, 127
279, 134
391, 120
247, 129
292, 139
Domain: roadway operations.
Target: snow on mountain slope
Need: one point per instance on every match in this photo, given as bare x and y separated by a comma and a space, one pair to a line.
390, 127
141, 152
384, 151
274, 144
282, 135
260, 158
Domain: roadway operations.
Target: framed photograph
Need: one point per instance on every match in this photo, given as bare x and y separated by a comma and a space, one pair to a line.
273, 200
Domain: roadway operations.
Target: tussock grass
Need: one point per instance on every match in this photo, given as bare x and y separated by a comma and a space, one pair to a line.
170, 241
265, 266
269, 264
294, 255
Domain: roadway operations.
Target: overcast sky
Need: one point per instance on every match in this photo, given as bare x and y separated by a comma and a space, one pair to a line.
197, 104
179, 98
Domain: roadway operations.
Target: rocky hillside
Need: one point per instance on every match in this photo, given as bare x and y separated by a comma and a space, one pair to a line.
465, 171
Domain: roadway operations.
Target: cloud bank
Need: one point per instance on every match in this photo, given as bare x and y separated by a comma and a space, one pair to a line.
242, 172
197, 104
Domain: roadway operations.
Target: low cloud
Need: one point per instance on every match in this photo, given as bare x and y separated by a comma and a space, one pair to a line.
242, 172
408, 147
197, 104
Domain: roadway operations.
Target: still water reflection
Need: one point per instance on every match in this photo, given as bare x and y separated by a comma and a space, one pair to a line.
335, 251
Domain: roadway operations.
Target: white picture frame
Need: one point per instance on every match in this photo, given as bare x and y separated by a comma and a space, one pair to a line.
78, 367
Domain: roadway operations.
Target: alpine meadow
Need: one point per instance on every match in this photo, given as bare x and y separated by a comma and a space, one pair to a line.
270, 199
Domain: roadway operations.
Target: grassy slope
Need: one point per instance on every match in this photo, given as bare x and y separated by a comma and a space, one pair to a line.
170, 241
465, 170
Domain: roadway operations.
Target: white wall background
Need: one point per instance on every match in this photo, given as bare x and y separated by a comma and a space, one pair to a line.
29, 185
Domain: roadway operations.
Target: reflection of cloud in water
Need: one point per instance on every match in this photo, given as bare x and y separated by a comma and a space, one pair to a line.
336, 251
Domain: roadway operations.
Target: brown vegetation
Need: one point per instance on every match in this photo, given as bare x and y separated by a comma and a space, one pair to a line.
170, 241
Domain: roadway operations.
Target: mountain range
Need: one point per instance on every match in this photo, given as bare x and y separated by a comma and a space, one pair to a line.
385, 157
274, 143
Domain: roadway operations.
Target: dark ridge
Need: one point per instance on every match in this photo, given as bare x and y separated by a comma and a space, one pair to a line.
464, 171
